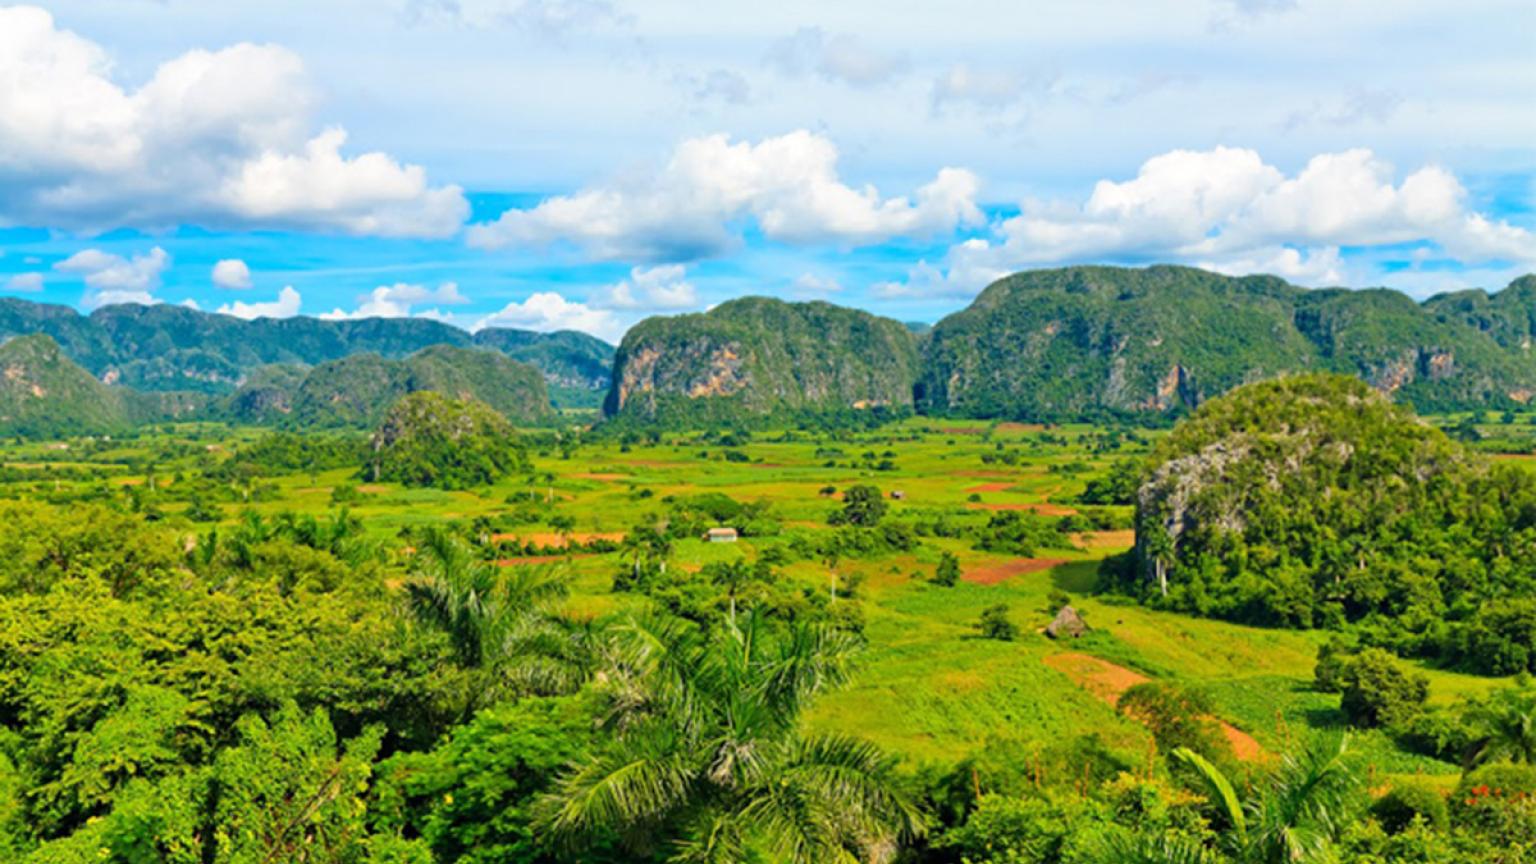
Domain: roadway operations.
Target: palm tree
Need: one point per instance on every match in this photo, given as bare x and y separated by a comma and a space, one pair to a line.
1295, 814
501, 626
707, 759
1508, 720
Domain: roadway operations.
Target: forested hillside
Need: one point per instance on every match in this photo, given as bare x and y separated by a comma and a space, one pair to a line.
356, 391
167, 347
755, 359
1104, 341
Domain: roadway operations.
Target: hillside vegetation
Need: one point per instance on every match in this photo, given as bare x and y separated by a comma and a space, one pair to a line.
428, 439
755, 359
1312, 501
1099, 341
166, 347
356, 391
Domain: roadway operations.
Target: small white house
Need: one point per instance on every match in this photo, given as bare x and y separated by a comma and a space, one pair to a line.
721, 535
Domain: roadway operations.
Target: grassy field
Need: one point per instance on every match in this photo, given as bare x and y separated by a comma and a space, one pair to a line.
928, 687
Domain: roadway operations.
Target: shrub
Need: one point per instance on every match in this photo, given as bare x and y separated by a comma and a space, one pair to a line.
948, 572
1377, 692
994, 624
1407, 800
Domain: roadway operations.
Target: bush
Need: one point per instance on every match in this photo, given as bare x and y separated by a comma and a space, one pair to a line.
1377, 692
1407, 800
994, 624
948, 572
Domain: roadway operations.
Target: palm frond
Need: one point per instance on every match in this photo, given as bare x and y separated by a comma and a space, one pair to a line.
1219, 790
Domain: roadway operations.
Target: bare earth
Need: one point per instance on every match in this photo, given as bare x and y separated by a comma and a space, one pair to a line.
1041, 509
1001, 572
1109, 681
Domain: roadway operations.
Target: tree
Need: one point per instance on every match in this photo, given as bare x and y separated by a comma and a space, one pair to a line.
706, 757
1295, 815
994, 624
863, 506
948, 571
1377, 692
1507, 723
500, 626
1178, 717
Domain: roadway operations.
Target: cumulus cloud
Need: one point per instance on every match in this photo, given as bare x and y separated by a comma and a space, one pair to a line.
1229, 210
114, 279
285, 306
836, 57
25, 282
398, 301
693, 206
548, 311
650, 288
232, 273
216, 138
812, 285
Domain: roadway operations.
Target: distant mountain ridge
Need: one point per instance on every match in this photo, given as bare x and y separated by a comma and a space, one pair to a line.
167, 347
357, 391
1044, 345
1092, 341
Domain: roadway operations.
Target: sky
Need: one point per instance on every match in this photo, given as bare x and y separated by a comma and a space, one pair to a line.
583, 164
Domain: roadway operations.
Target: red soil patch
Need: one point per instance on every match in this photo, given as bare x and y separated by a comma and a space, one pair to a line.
991, 487
1109, 681
1020, 427
1001, 572
1107, 539
608, 476
1038, 509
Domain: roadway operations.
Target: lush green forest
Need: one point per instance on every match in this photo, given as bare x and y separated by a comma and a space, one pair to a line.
453, 641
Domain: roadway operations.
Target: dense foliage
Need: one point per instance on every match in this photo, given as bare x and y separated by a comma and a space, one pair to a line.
1101, 341
171, 347
755, 360
1313, 502
428, 439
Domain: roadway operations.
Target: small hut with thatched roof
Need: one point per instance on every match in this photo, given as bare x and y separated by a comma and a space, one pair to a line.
1067, 624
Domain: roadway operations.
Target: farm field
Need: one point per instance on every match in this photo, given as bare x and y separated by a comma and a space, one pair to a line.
927, 687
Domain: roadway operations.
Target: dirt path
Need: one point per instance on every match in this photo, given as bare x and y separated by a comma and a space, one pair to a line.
992, 487
1008, 569
551, 540
1109, 681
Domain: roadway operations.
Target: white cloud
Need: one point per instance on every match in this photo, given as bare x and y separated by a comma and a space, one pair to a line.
548, 311
216, 138
691, 208
113, 279
285, 306
1229, 210
988, 89
811, 285
650, 288
25, 282
399, 299
232, 273
556, 19
836, 57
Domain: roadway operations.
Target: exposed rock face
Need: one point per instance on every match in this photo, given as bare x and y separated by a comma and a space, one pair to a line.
1088, 341
756, 358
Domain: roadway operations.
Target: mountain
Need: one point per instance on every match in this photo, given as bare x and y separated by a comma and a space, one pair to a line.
429, 439
168, 347
45, 394
1100, 341
575, 365
357, 390
756, 359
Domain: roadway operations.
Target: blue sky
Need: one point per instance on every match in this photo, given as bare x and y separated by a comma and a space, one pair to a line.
585, 163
